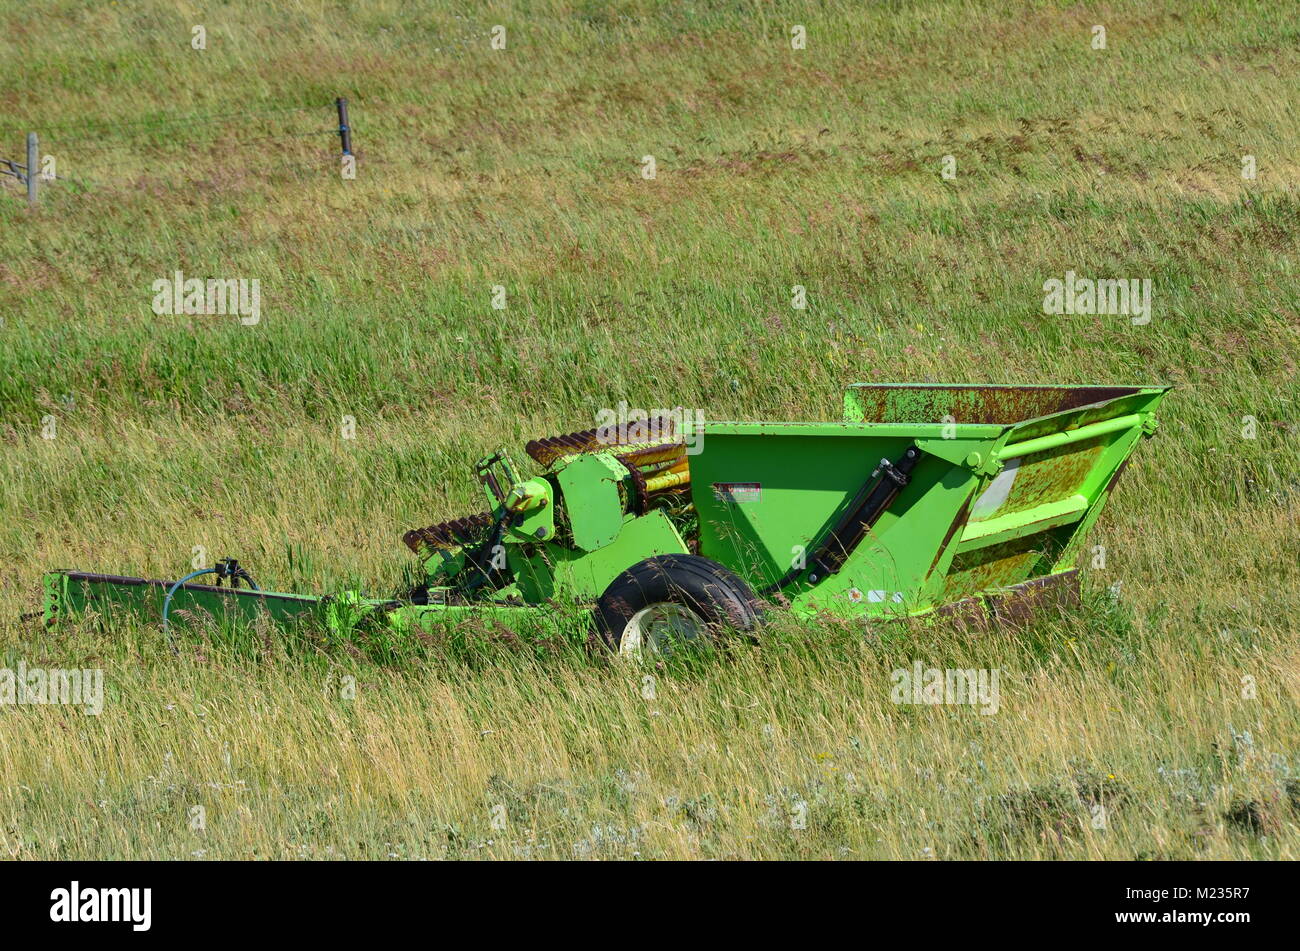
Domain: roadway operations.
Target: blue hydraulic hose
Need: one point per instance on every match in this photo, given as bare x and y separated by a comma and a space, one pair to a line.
167, 601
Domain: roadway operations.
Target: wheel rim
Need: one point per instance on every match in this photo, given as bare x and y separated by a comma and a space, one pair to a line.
659, 628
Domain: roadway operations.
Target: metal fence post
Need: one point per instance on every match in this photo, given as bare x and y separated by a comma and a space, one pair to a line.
31, 168
345, 131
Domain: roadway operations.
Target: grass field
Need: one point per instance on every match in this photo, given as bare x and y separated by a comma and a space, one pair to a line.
1162, 720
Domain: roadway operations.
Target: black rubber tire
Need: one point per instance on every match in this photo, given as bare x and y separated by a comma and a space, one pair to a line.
713, 591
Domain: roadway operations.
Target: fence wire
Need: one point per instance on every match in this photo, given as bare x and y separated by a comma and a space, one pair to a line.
106, 142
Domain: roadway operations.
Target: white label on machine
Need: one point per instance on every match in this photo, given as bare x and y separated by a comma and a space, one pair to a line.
878, 597
736, 493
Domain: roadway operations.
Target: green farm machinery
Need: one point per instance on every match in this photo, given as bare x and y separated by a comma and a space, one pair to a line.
966, 500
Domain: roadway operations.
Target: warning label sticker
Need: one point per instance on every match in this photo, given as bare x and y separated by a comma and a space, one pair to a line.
736, 493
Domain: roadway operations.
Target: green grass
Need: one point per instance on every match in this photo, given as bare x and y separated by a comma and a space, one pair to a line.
521, 168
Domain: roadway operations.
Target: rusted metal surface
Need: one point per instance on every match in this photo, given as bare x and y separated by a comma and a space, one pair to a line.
1016, 606
970, 615
639, 497
453, 534
1021, 603
649, 461
655, 458
547, 451
1048, 477
977, 404
997, 566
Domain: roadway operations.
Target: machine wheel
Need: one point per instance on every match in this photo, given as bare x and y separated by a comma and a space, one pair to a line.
672, 601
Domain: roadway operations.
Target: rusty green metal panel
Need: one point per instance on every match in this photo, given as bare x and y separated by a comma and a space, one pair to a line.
1010, 481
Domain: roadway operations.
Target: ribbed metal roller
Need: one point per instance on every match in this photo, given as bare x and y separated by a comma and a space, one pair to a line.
453, 534
546, 451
